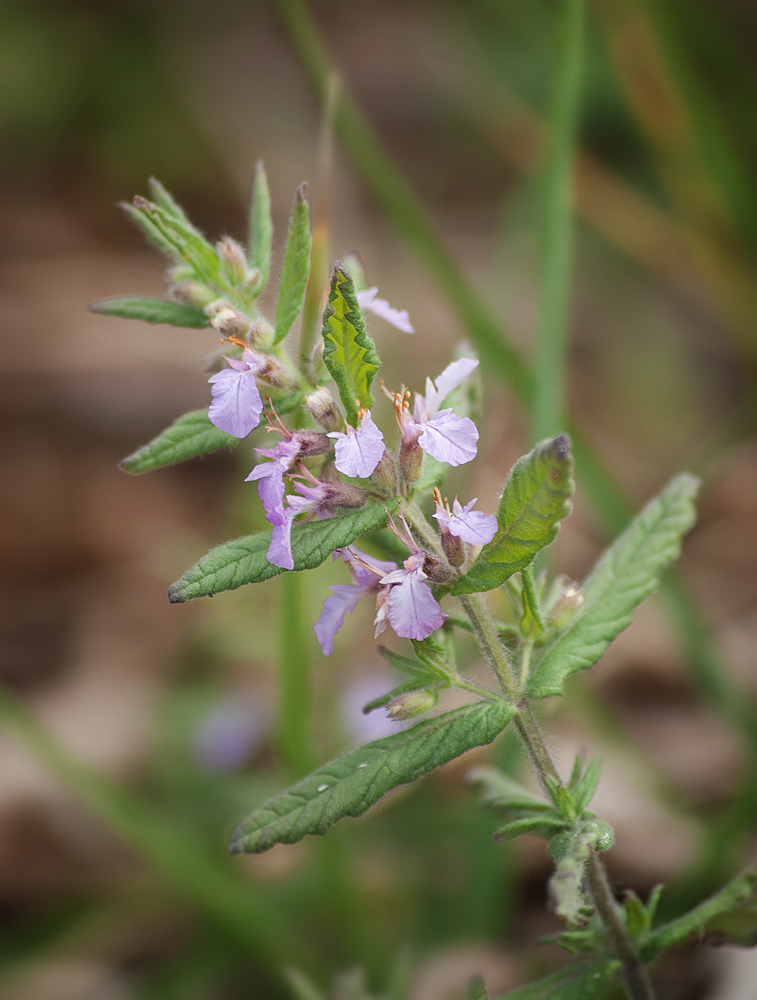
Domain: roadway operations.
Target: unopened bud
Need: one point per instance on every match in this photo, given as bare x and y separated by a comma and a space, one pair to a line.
233, 261
454, 547
436, 570
340, 495
274, 372
261, 334
407, 706
329, 473
411, 459
385, 473
312, 443
192, 292
565, 607
228, 321
252, 281
321, 405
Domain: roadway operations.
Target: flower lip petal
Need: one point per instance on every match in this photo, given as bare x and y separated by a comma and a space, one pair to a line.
358, 452
398, 318
449, 438
237, 406
472, 526
412, 609
450, 379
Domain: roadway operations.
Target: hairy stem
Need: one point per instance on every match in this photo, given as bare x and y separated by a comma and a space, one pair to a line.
636, 982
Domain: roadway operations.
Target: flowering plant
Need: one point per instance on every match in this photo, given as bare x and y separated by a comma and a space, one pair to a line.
332, 479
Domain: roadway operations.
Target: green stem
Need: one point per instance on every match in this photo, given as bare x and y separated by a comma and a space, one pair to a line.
531, 601
488, 639
294, 710
554, 297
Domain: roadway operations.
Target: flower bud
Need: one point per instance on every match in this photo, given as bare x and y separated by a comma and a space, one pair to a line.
321, 405
261, 334
274, 372
411, 459
407, 706
252, 280
454, 547
192, 293
385, 473
566, 605
233, 262
228, 321
339, 495
436, 570
312, 443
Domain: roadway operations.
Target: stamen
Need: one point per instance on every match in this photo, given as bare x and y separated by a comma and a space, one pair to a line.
236, 341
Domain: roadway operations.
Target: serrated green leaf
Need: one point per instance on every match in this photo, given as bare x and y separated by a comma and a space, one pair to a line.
535, 500
192, 434
727, 917
585, 981
244, 560
628, 572
261, 226
350, 784
152, 311
296, 269
348, 351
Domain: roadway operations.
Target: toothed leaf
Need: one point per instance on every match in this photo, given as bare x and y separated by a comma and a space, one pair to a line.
190, 435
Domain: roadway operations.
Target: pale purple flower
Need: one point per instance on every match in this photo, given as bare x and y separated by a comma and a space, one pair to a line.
237, 406
441, 433
270, 476
380, 307
473, 526
411, 608
366, 573
280, 550
358, 452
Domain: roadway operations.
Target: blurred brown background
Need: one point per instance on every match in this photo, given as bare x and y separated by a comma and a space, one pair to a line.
97, 96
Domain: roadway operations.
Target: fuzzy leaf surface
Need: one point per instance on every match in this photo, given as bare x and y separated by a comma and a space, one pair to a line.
261, 226
152, 311
296, 269
348, 351
353, 782
244, 560
628, 572
727, 917
535, 500
190, 435
585, 981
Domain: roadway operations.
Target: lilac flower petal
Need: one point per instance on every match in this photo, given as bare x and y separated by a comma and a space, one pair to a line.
380, 307
449, 438
280, 550
358, 452
236, 406
270, 477
413, 610
450, 378
473, 526
360, 574
343, 600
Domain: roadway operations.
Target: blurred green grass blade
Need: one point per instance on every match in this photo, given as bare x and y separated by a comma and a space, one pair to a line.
554, 293
294, 677
184, 863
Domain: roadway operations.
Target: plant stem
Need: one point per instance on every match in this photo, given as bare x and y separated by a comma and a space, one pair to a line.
635, 980
531, 601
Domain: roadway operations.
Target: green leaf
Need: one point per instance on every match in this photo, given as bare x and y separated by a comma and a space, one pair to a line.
586, 786
350, 784
477, 990
627, 573
190, 435
302, 988
187, 243
168, 203
535, 499
585, 981
152, 311
348, 352
296, 269
244, 560
728, 917
524, 812
149, 230
261, 226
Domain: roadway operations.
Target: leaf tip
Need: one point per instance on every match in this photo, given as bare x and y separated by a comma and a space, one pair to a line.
302, 191
174, 594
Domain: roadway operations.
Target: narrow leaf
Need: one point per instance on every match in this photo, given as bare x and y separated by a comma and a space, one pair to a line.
348, 352
296, 269
535, 500
188, 244
585, 981
261, 226
150, 230
190, 435
586, 785
350, 784
728, 917
152, 311
244, 560
542, 825
168, 203
627, 573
